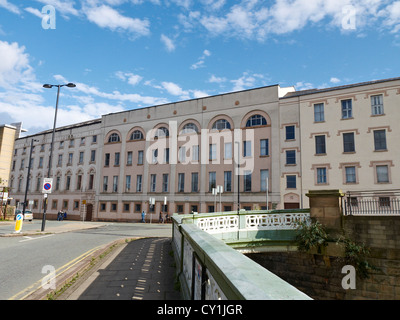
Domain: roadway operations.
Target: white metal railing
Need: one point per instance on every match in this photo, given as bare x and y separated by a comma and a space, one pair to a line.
275, 221
219, 224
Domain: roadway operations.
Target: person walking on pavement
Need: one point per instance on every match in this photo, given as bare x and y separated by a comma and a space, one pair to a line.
143, 215
161, 219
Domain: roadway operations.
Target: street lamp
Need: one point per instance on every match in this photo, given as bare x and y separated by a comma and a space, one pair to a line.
49, 86
28, 178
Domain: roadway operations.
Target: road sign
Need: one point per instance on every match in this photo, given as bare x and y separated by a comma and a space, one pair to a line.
47, 185
18, 222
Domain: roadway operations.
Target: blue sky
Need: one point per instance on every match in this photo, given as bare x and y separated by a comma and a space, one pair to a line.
126, 54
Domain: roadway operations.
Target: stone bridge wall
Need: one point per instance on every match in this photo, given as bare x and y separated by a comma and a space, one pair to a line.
320, 276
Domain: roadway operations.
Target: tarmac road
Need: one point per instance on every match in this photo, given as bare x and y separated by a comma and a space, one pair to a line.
25, 259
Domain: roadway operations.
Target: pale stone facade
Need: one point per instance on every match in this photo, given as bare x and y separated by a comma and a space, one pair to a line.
335, 138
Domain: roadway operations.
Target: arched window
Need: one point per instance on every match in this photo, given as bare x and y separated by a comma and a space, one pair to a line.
137, 135
114, 138
162, 132
189, 128
221, 125
256, 120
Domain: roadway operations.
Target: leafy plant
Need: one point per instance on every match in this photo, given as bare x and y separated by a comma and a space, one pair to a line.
355, 255
311, 235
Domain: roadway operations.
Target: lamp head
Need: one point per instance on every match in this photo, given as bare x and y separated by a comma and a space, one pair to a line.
71, 85
47, 86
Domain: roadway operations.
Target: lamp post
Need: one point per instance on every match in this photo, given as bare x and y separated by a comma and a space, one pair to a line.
49, 86
27, 178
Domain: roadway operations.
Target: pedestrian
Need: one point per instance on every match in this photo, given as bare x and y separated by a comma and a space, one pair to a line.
161, 219
59, 214
143, 215
166, 217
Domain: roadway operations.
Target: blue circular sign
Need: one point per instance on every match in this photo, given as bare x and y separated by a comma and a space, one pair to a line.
47, 186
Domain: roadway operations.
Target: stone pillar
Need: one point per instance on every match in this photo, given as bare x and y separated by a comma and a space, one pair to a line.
326, 207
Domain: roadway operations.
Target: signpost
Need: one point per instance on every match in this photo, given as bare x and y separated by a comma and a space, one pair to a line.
47, 185
18, 222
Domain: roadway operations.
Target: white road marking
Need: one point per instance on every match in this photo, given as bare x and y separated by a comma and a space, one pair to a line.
36, 238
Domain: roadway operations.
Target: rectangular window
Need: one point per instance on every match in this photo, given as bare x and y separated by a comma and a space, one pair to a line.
81, 157
246, 148
129, 158
290, 133
59, 163
79, 183
93, 156
68, 183
347, 109
320, 147
115, 184
228, 181
264, 174
264, 147
290, 156
107, 160
155, 156
321, 176
247, 180
228, 150
140, 157
212, 180
348, 142
166, 155
195, 153
139, 183
127, 183
165, 182
195, 182
380, 140
377, 105
91, 182
350, 174
319, 114
181, 182
182, 154
70, 158
153, 181
382, 174
116, 159
105, 184
212, 152
291, 182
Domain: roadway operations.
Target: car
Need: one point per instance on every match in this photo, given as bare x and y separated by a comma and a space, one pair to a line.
28, 215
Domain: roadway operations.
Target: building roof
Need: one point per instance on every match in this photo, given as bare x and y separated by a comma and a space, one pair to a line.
315, 91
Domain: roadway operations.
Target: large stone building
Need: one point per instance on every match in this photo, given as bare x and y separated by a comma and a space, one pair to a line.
284, 141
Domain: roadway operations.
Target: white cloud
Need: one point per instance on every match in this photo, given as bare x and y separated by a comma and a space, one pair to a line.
214, 79
107, 17
175, 90
9, 6
200, 62
169, 44
14, 65
335, 80
34, 11
64, 7
132, 79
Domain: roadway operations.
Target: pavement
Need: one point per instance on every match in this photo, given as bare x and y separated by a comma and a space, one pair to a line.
141, 268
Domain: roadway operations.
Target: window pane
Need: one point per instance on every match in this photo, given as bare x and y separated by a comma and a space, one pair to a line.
321, 175
350, 174
290, 157
228, 181
347, 109
247, 180
291, 182
382, 173
319, 115
320, 147
290, 133
212, 180
377, 105
264, 147
264, 174
380, 139
348, 142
